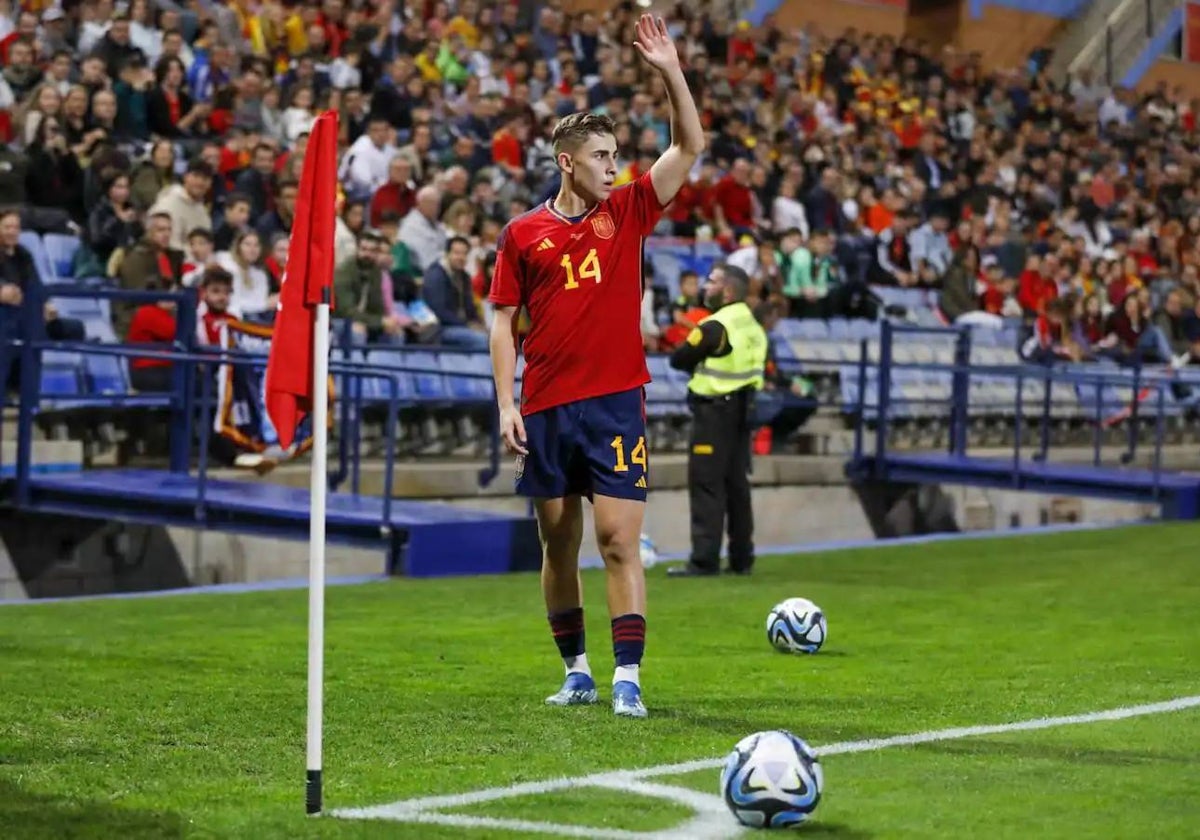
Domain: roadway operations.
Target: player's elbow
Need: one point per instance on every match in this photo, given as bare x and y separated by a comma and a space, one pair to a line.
691, 147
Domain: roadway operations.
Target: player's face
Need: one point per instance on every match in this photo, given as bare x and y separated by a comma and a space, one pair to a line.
592, 166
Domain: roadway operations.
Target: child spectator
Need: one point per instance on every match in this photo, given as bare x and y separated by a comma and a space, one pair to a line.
686, 311
200, 244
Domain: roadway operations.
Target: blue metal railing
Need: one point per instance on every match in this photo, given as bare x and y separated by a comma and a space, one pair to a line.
958, 403
181, 400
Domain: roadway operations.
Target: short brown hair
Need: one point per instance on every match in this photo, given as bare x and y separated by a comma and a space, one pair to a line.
573, 131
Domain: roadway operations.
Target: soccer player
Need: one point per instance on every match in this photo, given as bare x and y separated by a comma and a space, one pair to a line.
575, 264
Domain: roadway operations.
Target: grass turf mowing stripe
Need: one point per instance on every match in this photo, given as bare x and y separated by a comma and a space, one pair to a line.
420, 810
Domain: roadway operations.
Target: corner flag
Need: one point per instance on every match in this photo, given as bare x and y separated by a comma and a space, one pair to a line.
298, 383
307, 282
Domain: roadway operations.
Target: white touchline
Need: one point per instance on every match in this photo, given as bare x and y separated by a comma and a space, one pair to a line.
711, 820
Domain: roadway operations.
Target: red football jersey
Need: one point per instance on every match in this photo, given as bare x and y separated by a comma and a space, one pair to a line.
581, 282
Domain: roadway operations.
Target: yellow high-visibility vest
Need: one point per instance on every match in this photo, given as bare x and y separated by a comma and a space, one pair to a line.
743, 366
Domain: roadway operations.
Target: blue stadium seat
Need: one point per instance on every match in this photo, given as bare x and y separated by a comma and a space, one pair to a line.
426, 377
105, 374
667, 269
41, 261
662, 397
839, 329
60, 250
61, 374
476, 388
811, 328
99, 329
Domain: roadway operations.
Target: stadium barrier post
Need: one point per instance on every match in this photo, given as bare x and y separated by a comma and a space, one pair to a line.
183, 384
861, 419
1097, 440
316, 552
344, 419
1047, 389
961, 392
1134, 412
206, 424
31, 386
1018, 426
356, 443
1159, 431
389, 460
884, 393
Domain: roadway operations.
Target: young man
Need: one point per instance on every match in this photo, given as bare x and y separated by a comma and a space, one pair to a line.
575, 264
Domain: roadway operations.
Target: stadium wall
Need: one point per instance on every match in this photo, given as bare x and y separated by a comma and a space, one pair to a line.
797, 501
1173, 73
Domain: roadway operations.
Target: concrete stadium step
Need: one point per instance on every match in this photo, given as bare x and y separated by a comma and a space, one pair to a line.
48, 455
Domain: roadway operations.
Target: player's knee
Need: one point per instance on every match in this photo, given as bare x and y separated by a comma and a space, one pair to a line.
619, 546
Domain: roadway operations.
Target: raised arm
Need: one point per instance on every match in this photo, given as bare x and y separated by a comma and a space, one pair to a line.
687, 135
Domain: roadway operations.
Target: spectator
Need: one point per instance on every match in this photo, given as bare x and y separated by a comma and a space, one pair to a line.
447, 290
1037, 285
257, 182
152, 323
153, 175
234, 220
185, 203
170, 111
298, 116
929, 249
733, 202
200, 243
365, 166
1170, 323
54, 178
252, 293
279, 220
152, 264
398, 195
420, 231
893, 264
686, 312
19, 282
113, 222
787, 212
822, 206
358, 294
216, 290
276, 261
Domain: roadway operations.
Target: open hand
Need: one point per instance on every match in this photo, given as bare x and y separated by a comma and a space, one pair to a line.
655, 43
512, 430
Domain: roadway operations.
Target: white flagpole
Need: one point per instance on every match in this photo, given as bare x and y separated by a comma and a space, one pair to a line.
316, 554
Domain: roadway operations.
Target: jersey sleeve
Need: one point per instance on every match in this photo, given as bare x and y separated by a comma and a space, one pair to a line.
506, 288
640, 204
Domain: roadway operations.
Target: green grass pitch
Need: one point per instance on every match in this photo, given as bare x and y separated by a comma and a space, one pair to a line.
185, 716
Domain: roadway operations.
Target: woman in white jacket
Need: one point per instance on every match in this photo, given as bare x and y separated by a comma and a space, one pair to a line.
251, 286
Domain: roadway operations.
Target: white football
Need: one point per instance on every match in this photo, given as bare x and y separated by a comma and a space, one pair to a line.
796, 625
772, 780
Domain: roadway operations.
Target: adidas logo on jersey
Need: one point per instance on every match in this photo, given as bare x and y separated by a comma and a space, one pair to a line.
641, 482
545, 245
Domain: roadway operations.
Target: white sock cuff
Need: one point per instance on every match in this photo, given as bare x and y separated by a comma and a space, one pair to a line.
578, 665
626, 673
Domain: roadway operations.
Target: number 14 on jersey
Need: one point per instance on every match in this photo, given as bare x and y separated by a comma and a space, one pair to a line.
588, 269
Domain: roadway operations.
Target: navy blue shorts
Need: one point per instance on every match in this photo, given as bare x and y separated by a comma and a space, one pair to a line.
593, 446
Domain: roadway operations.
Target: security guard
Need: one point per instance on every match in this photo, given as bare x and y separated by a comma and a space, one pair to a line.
726, 355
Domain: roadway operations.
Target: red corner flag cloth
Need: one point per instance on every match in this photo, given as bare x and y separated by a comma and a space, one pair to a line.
289, 387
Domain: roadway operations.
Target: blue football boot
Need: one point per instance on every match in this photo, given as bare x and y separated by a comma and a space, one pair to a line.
627, 700
577, 690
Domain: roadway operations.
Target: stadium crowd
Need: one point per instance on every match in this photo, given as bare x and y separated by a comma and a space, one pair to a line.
170, 137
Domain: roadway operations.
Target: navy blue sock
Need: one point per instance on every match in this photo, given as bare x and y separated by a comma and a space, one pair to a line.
567, 627
629, 639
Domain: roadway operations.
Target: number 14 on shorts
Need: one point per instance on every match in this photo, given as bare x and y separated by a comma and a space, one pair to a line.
636, 456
